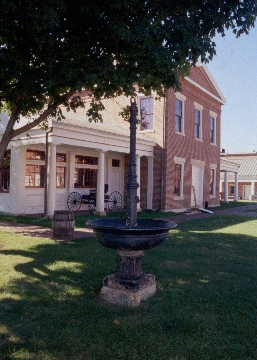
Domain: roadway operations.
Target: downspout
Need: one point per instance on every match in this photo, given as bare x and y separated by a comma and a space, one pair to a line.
46, 166
163, 152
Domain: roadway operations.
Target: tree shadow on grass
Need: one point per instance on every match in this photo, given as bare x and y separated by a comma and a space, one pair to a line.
203, 308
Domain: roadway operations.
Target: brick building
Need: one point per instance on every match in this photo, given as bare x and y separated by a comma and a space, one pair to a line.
193, 145
178, 154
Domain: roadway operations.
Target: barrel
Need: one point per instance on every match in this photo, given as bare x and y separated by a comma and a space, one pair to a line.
63, 224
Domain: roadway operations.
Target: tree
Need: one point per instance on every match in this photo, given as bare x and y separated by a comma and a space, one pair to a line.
51, 50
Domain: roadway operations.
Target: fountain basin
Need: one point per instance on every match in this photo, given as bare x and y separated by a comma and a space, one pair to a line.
148, 234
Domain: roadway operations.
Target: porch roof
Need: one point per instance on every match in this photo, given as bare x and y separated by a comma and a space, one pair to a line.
74, 133
226, 165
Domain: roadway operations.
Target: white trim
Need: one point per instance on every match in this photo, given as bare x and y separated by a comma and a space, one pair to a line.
197, 162
220, 99
213, 114
180, 96
178, 198
198, 106
179, 160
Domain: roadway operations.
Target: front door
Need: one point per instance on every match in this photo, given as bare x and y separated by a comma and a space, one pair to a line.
246, 192
114, 175
197, 186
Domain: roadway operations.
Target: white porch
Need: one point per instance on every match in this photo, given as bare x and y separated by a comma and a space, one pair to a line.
229, 167
71, 140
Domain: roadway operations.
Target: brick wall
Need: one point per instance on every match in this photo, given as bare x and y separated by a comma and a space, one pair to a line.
187, 147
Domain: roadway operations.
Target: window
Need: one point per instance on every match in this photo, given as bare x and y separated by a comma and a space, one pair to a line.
146, 113
115, 163
212, 130
177, 179
197, 123
213, 180
35, 155
179, 113
232, 189
35, 176
85, 178
178, 116
5, 172
60, 176
60, 157
213, 117
90, 160
35, 172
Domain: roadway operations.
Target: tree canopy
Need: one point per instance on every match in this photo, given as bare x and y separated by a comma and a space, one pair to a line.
50, 50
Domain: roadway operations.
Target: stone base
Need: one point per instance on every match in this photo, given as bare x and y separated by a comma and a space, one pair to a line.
127, 294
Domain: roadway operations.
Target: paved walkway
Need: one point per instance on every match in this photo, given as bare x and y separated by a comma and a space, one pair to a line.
40, 231
248, 210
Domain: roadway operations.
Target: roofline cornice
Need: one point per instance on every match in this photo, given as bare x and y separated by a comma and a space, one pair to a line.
220, 100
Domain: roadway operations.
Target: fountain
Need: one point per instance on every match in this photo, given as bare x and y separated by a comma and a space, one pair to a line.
130, 237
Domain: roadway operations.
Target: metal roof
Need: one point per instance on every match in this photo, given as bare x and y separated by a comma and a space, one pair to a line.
248, 166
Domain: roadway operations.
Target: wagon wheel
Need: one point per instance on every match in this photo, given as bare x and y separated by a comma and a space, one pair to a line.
92, 208
74, 201
115, 201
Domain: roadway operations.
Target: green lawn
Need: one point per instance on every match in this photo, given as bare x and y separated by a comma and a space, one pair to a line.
80, 220
204, 308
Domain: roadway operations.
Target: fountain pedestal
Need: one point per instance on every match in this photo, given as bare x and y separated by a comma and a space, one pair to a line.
130, 284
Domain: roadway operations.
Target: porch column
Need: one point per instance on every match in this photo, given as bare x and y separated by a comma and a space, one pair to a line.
70, 171
18, 202
51, 179
226, 187
100, 184
149, 201
252, 190
138, 180
236, 187
221, 185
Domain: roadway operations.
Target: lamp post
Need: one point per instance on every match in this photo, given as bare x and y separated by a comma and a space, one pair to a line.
132, 185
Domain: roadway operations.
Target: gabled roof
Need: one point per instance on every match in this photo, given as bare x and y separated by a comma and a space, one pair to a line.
204, 81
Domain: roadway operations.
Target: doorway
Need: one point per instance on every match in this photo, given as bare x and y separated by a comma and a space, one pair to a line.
197, 186
246, 192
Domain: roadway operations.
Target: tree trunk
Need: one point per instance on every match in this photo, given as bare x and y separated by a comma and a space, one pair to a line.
7, 136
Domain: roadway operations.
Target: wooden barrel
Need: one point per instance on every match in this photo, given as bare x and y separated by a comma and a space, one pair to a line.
63, 224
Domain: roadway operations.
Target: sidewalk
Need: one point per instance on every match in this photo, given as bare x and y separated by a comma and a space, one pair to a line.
248, 210
40, 231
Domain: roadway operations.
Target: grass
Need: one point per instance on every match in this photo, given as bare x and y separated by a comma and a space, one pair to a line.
233, 204
204, 307
80, 220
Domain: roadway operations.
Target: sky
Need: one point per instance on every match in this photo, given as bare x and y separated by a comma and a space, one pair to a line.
234, 69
